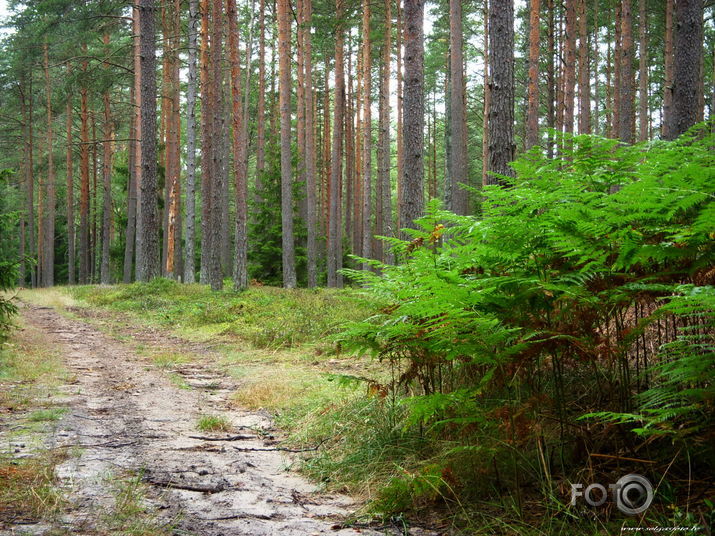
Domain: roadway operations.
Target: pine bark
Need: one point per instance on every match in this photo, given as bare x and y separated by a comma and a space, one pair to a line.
28, 230
367, 134
26, 102
459, 198
310, 155
486, 83
334, 256
532, 115
501, 109
261, 106
84, 224
626, 95
384, 148
617, 62
217, 215
284, 36
147, 263
688, 49
173, 143
190, 249
413, 127
48, 222
240, 274
668, 59
105, 275
206, 145
69, 196
643, 117
595, 52
130, 234
584, 80
400, 111
569, 65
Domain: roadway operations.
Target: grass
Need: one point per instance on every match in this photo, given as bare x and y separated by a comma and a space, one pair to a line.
27, 488
31, 369
276, 343
213, 423
46, 415
130, 516
178, 381
263, 317
169, 360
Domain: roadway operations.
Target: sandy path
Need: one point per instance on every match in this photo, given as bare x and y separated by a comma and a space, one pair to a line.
128, 418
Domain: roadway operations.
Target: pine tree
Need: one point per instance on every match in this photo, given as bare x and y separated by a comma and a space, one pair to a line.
289, 274
412, 205
501, 109
532, 121
458, 114
334, 256
688, 45
147, 264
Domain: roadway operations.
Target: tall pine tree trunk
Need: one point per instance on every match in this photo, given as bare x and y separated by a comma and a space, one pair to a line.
106, 183
643, 117
190, 250
569, 65
173, 143
310, 183
135, 175
688, 45
367, 134
668, 59
48, 258
550, 77
289, 274
414, 120
261, 110
84, 182
216, 216
400, 112
207, 142
147, 264
459, 197
69, 196
584, 80
532, 115
334, 256
240, 275
501, 109
384, 150
625, 61
26, 102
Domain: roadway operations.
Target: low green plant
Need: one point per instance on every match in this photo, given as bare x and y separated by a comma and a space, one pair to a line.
263, 317
8, 278
130, 514
47, 415
213, 423
503, 330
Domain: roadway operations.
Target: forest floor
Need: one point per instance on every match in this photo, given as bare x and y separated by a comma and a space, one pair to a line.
142, 444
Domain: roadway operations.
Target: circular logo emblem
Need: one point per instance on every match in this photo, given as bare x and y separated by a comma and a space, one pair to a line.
634, 493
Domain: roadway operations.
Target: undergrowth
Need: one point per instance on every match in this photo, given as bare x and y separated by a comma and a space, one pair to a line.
263, 317
27, 488
565, 337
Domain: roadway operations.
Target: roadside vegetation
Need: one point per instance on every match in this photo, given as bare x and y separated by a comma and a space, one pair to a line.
30, 372
564, 338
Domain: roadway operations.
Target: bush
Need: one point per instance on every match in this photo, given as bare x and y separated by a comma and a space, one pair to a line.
504, 330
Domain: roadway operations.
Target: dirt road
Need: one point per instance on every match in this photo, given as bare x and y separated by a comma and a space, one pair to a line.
127, 418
